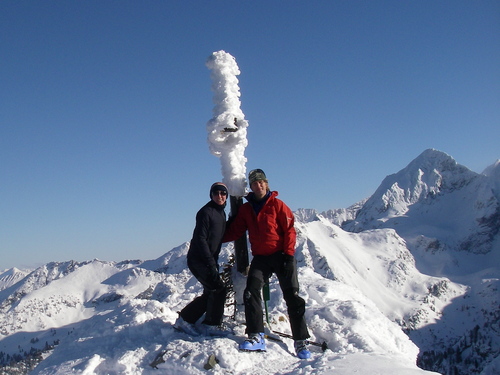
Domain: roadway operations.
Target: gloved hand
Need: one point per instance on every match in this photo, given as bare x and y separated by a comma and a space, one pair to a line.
288, 265
219, 285
216, 282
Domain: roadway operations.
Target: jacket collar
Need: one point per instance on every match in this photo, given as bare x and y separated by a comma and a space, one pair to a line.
257, 205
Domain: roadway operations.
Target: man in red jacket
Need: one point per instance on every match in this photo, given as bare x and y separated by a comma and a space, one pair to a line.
270, 225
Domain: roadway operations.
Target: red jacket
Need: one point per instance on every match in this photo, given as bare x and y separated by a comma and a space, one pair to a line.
270, 231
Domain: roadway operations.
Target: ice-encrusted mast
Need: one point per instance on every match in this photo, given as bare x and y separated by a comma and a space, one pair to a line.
227, 136
227, 130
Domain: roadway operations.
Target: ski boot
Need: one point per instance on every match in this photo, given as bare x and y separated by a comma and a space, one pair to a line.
216, 330
254, 342
301, 349
183, 326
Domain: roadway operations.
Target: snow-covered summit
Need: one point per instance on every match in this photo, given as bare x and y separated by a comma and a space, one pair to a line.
393, 291
492, 169
10, 277
101, 317
436, 204
493, 173
431, 174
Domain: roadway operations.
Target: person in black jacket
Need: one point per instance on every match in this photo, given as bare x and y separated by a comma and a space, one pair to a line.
202, 260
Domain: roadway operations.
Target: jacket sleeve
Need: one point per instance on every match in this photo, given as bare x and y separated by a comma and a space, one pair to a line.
236, 227
201, 236
286, 221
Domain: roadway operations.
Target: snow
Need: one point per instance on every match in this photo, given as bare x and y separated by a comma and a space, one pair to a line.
362, 289
421, 254
435, 201
11, 276
113, 318
227, 114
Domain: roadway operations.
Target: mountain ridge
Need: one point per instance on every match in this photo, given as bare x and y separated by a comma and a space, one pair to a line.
374, 276
436, 204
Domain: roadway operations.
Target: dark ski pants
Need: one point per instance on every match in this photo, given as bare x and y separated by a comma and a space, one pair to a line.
261, 269
211, 302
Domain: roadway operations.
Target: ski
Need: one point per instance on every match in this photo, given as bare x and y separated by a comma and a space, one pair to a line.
158, 360
276, 336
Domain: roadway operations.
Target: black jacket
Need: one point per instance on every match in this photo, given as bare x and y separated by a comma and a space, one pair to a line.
207, 235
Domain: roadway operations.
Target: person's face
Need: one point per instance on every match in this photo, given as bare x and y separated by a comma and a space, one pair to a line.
259, 188
219, 197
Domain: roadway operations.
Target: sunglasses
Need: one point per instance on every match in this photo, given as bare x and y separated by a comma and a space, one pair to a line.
219, 192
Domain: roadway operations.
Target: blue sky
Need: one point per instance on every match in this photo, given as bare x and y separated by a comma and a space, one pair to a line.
104, 106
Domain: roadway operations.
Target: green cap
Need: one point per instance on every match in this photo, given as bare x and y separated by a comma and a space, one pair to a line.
256, 175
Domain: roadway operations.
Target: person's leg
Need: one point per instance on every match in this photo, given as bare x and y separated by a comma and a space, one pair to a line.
295, 304
215, 307
195, 309
252, 296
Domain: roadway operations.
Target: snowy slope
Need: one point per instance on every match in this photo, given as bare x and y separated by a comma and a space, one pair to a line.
449, 218
112, 318
364, 288
439, 206
382, 269
10, 277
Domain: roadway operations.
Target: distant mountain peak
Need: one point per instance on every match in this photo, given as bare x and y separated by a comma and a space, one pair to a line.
430, 173
10, 277
442, 201
493, 169
433, 172
362, 290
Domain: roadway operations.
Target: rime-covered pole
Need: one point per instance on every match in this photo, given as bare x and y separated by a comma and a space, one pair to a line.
227, 130
227, 137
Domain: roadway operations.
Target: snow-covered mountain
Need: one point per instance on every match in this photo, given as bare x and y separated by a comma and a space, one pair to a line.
11, 276
410, 274
449, 218
439, 206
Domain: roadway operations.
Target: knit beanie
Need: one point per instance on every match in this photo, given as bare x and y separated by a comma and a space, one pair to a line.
256, 175
218, 186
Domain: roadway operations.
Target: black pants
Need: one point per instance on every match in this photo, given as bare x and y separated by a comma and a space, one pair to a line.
211, 302
261, 269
